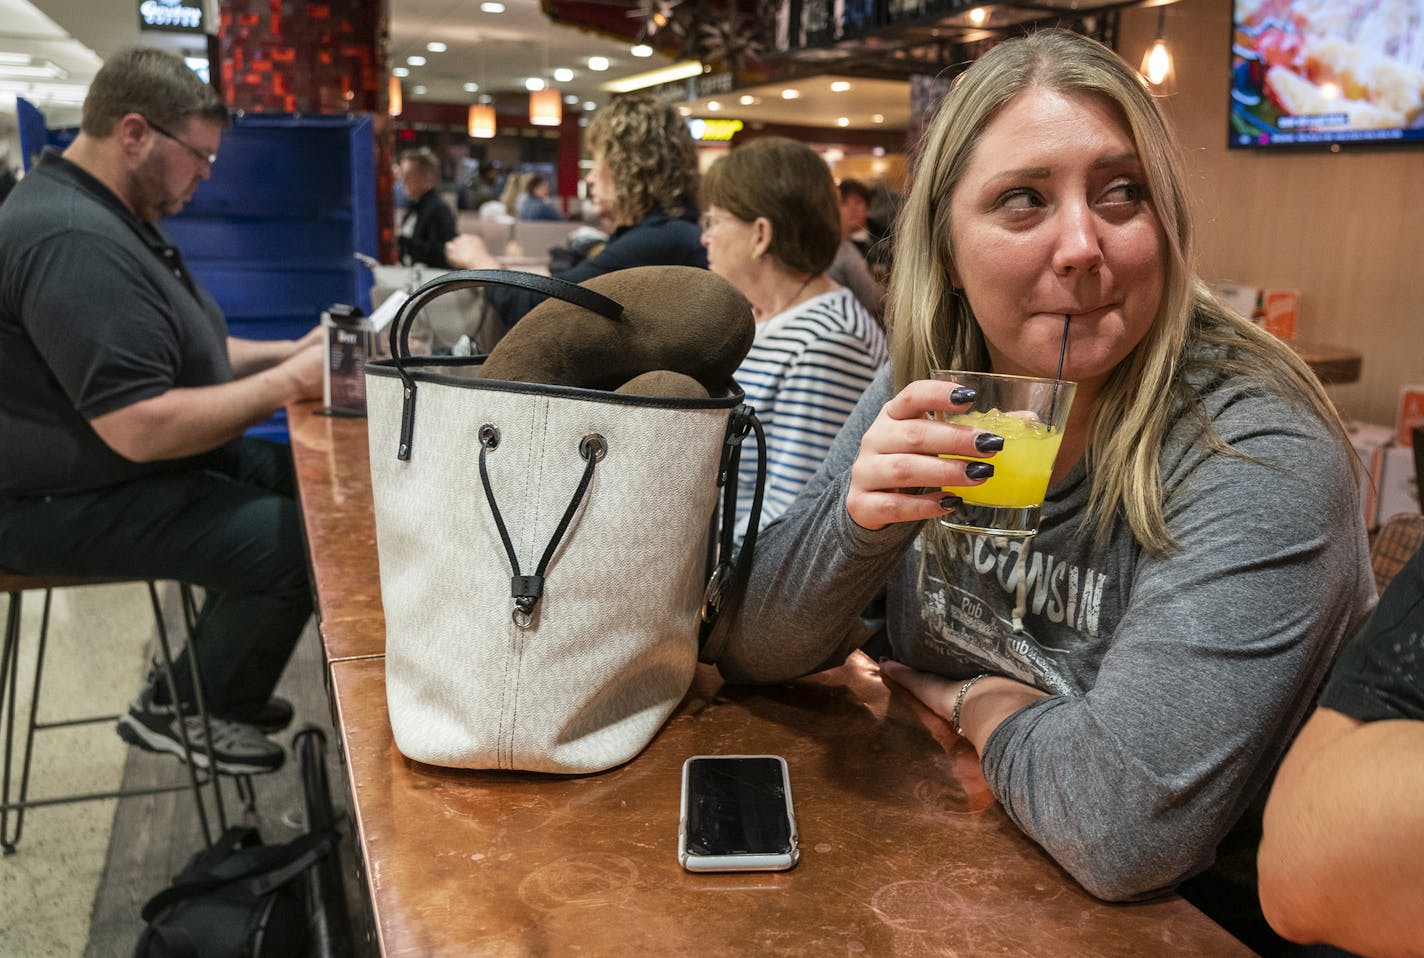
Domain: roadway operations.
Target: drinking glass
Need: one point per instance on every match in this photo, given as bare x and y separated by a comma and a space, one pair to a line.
1030, 413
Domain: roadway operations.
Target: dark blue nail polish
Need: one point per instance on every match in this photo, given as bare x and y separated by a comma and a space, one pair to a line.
978, 470
960, 395
988, 442
950, 503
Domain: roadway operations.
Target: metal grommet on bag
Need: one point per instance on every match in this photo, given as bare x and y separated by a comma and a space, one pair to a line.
489, 436
593, 446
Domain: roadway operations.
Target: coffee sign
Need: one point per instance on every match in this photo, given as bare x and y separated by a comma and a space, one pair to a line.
180, 16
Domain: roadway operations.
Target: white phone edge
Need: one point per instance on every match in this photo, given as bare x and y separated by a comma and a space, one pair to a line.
737, 863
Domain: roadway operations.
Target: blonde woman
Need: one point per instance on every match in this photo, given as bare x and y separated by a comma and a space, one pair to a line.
643, 181
1131, 676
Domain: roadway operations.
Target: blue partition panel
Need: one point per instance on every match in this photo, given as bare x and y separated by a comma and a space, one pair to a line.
272, 235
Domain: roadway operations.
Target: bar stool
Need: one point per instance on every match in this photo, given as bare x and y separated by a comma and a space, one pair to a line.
16, 585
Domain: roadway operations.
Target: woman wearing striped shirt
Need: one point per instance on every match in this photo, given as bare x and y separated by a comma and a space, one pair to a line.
771, 228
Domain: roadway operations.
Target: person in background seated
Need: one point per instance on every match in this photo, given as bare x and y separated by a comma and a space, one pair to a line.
123, 402
643, 180
1131, 675
849, 267
855, 207
1342, 847
514, 191
771, 228
428, 224
481, 188
536, 204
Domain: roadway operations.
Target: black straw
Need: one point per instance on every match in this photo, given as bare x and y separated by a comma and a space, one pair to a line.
1062, 350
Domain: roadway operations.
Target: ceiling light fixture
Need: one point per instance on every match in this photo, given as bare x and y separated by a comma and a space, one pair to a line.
789, 94
435, 46
481, 121
563, 75
842, 121
415, 61
840, 86
401, 72
638, 81
1157, 67
746, 99
642, 51
978, 16
598, 64
534, 84
490, 7
545, 106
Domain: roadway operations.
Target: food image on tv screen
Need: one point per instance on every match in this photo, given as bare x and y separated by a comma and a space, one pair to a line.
1327, 71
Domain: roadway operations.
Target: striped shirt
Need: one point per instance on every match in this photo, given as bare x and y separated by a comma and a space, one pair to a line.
803, 376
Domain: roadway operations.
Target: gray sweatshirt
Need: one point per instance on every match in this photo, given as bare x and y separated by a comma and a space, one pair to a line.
1175, 684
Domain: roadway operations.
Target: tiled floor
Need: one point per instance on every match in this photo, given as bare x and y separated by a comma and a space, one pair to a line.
82, 872
94, 664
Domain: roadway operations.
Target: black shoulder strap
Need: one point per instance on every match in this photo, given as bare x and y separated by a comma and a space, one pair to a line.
266, 871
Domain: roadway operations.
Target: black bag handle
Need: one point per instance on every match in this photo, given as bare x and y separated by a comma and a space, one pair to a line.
560, 289
273, 871
729, 579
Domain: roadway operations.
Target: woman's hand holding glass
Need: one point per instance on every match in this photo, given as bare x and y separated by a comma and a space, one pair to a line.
899, 473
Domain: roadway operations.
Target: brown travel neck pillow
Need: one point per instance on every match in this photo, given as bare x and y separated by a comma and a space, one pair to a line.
683, 333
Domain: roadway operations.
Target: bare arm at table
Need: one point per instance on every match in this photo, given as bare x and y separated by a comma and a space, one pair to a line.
1342, 854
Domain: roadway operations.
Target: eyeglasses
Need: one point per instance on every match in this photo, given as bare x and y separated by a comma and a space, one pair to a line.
710, 221
208, 158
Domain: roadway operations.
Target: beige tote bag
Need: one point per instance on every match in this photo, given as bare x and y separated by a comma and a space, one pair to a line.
542, 550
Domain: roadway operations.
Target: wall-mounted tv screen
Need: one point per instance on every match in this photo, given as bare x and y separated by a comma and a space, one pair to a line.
1327, 72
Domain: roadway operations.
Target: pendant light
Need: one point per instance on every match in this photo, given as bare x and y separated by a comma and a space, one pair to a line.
546, 106
1157, 68
394, 97
481, 123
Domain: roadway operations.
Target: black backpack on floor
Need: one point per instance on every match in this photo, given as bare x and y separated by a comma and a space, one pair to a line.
239, 898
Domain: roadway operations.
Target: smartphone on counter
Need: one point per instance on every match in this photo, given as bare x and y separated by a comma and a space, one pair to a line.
736, 814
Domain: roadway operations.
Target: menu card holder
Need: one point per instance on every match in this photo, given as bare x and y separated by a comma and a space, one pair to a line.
350, 338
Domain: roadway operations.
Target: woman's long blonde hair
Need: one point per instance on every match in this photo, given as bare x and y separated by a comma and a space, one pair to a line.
933, 328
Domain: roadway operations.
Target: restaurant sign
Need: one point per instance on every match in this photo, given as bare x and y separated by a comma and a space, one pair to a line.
711, 130
179, 16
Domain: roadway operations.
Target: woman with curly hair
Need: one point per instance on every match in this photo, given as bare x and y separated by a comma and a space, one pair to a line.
643, 182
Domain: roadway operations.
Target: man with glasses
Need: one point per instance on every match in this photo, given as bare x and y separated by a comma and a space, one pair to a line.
123, 402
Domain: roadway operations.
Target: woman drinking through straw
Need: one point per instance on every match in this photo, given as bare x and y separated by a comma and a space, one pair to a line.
1131, 676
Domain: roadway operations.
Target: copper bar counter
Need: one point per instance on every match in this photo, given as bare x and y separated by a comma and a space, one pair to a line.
904, 850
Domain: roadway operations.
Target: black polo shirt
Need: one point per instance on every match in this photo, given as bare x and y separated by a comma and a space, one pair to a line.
97, 312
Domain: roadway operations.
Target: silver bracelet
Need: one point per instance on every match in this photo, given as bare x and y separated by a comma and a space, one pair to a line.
959, 702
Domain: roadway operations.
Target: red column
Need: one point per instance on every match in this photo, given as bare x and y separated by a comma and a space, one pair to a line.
567, 165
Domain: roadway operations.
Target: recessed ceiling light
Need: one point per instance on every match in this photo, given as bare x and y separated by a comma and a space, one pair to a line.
533, 84
589, 106
491, 7
878, 118
571, 99
598, 64
747, 99
641, 50
840, 86
978, 15
400, 72
420, 89
472, 87
685, 111
415, 61
790, 94
563, 74
713, 105
842, 121
435, 46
